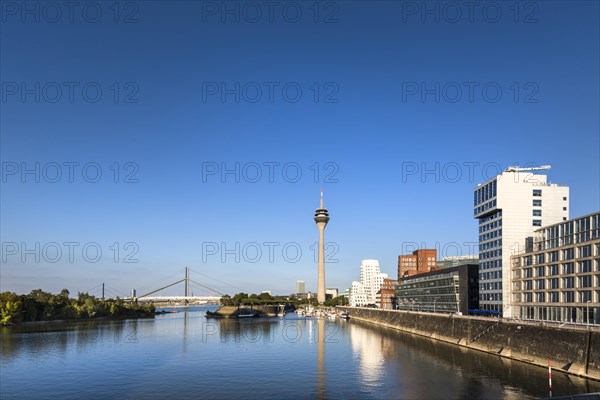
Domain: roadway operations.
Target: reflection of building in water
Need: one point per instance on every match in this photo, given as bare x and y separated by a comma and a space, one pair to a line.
321, 391
370, 349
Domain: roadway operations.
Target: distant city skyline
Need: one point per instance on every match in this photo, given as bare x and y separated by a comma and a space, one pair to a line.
125, 162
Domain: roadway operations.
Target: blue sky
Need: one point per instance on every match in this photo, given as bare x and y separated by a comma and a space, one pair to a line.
359, 97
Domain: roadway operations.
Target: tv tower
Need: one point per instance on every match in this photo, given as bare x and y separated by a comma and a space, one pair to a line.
321, 219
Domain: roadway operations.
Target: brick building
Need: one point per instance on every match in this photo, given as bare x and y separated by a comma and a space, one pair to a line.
386, 295
419, 262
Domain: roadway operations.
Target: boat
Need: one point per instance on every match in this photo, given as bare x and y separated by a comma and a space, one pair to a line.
247, 315
344, 315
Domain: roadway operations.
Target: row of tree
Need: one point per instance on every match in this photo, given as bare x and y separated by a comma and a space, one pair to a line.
265, 299
44, 306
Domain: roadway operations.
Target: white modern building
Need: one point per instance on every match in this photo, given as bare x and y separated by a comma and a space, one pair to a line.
510, 207
300, 287
371, 279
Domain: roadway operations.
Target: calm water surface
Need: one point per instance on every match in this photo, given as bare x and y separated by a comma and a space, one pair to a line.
185, 355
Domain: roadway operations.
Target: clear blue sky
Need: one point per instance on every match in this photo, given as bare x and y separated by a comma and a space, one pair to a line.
372, 123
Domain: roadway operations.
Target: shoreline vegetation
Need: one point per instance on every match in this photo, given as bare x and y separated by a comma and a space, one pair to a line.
264, 305
40, 306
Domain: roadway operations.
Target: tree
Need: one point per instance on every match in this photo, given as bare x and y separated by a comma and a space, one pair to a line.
226, 300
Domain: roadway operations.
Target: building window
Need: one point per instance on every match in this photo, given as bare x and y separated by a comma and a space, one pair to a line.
540, 297
569, 254
553, 297
585, 296
585, 281
568, 283
537, 222
564, 208
564, 199
553, 256
568, 268
539, 259
537, 202
553, 283
537, 213
585, 266
553, 269
539, 284
568, 297
585, 251
537, 192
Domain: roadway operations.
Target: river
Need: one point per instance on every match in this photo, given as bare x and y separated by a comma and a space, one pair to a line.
184, 355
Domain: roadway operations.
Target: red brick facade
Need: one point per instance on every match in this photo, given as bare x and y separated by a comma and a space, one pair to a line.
419, 262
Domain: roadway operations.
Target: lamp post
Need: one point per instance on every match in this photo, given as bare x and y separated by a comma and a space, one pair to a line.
587, 316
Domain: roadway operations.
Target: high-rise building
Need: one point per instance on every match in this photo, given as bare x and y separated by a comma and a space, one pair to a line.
371, 279
321, 219
509, 208
557, 277
300, 287
420, 261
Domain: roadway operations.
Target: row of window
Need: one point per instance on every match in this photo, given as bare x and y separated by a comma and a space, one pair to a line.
483, 276
484, 193
484, 265
487, 206
567, 240
490, 297
490, 222
565, 269
483, 287
581, 296
490, 245
585, 281
565, 254
490, 254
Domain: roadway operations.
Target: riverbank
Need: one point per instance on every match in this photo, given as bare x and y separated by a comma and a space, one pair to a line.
573, 351
237, 312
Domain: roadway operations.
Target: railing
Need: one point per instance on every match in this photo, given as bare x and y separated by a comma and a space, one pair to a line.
485, 331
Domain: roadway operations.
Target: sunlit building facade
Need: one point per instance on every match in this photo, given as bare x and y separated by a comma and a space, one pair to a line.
510, 207
448, 290
558, 277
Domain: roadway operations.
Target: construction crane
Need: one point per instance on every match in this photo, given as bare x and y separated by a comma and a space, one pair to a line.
519, 169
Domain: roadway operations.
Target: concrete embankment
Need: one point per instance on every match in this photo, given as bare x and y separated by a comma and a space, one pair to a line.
575, 351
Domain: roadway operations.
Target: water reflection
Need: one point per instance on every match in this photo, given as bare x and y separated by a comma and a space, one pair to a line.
369, 349
461, 372
58, 337
321, 390
185, 355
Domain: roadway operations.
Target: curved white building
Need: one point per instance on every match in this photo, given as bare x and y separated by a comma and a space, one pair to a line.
371, 279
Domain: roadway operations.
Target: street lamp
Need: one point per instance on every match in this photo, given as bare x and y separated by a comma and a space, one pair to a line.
587, 317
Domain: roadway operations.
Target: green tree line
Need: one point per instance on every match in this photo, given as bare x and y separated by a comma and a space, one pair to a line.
267, 299
44, 306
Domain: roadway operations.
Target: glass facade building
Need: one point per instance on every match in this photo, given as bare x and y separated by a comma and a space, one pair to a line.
449, 290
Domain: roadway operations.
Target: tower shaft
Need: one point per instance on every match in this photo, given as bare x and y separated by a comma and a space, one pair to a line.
321, 277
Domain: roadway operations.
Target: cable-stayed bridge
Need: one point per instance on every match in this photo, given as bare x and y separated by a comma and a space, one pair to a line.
209, 294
